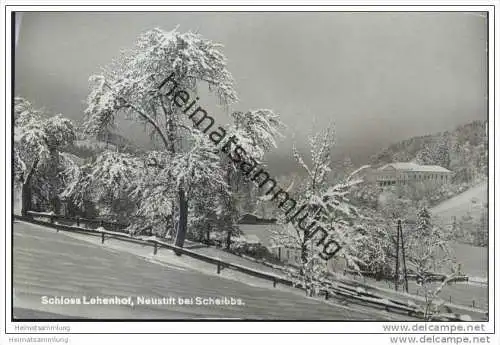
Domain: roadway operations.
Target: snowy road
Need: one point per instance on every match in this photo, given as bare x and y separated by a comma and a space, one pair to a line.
47, 263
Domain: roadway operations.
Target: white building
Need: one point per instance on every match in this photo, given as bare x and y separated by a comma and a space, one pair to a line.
403, 173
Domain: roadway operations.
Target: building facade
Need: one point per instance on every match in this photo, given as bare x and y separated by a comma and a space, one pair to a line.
403, 173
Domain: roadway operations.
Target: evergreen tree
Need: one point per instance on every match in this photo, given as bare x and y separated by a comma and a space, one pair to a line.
424, 156
440, 154
423, 221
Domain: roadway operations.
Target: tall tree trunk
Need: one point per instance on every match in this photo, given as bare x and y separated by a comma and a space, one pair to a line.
183, 214
228, 239
54, 201
169, 140
26, 195
25, 198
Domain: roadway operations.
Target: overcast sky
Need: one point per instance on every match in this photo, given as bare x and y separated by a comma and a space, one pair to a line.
379, 77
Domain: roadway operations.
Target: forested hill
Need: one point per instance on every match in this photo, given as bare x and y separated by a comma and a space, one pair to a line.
85, 147
463, 150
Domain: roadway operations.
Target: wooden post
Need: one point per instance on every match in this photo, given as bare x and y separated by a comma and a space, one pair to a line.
274, 282
77, 221
218, 268
155, 249
102, 237
279, 253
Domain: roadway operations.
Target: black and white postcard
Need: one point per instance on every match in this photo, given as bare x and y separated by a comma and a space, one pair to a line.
215, 169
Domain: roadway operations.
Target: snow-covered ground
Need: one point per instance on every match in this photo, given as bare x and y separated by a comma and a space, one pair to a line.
459, 205
473, 259
50, 263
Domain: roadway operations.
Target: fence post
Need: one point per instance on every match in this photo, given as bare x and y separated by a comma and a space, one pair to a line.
274, 282
218, 267
101, 224
102, 237
77, 221
473, 304
156, 249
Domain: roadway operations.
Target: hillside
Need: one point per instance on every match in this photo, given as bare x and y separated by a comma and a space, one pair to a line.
80, 268
86, 147
461, 204
463, 151
466, 214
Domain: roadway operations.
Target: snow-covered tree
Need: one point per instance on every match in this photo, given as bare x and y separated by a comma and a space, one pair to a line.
376, 249
38, 139
425, 157
256, 132
428, 252
395, 205
326, 207
423, 221
482, 227
431, 309
441, 152
132, 85
106, 181
156, 84
435, 153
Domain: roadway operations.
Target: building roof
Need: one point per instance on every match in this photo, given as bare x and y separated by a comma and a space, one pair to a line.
249, 218
408, 166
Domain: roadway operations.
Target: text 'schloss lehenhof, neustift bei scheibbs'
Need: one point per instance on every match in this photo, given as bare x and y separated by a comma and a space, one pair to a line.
142, 300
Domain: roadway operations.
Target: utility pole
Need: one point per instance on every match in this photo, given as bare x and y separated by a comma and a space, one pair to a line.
396, 274
400, 229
